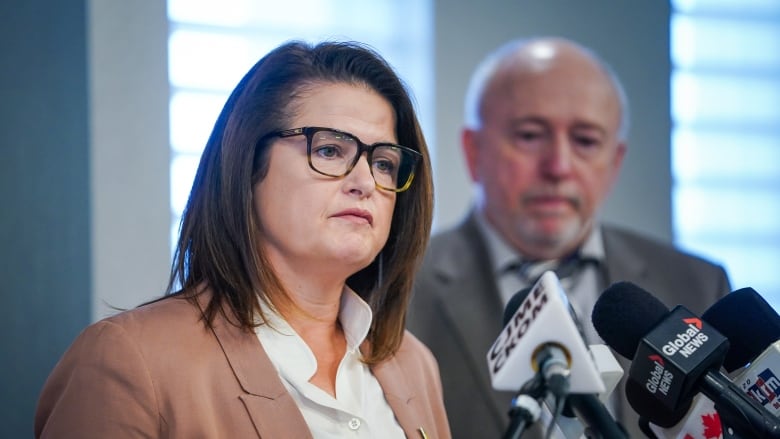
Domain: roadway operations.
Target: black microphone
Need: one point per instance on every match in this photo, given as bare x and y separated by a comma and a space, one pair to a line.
754, 333
514, 304
675, 356
749, 331
748, 321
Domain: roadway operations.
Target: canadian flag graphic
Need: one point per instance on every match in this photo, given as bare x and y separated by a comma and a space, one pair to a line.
701, 422
710, 427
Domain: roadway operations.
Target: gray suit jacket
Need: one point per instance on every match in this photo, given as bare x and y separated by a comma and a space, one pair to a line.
157, 371
457, 311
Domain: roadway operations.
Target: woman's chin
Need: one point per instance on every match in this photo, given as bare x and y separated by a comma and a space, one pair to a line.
354, 261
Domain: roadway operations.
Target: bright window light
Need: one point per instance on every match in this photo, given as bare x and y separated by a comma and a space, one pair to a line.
211, 45
726, 136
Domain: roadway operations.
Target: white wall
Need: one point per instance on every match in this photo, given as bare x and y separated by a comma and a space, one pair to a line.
130, 153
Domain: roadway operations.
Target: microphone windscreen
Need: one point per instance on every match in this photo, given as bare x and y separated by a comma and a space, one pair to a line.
623, 314
514, 304
748, 321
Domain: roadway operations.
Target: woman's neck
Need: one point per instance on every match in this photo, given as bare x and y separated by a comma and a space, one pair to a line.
327, 341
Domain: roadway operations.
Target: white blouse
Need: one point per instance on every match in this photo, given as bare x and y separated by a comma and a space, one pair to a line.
360, 409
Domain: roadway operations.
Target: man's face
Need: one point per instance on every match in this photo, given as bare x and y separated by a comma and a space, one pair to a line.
546, 154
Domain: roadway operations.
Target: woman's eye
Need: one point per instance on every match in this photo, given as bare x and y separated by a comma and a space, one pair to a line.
327, 151
384, 165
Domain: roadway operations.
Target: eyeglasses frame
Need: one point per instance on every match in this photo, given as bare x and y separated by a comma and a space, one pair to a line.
308, 132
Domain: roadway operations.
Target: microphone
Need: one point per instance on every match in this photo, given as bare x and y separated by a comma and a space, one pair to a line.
609, 369
675, 356
514, 304
757, 325
542, 316
755, 328
607, 365
541, 320
755, 338
760, 380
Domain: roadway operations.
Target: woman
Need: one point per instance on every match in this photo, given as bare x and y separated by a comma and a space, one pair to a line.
305, 224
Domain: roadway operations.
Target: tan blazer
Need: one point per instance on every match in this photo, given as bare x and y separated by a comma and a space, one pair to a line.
157, 371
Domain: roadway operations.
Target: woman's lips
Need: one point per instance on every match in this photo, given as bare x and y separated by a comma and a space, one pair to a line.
356, 215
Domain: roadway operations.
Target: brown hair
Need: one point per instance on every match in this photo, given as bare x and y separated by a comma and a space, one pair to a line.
218, 244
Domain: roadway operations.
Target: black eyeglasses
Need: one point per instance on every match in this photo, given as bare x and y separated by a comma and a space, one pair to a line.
335, 153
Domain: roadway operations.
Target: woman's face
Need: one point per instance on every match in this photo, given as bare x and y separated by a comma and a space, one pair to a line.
319, 225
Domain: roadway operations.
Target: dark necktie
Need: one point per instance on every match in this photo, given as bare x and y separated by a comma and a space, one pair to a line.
566, 269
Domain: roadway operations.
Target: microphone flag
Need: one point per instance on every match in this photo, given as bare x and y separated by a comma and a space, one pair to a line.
542, 318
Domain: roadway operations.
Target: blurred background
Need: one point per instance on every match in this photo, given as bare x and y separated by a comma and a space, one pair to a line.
105, 106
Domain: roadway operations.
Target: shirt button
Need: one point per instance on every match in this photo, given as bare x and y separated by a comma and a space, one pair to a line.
354, 423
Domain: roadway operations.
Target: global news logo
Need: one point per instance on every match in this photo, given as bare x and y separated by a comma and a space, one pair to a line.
660, 379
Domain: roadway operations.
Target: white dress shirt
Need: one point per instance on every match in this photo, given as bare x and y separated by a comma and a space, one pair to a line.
359, 409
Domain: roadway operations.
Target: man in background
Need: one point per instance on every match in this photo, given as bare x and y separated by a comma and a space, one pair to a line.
545, 134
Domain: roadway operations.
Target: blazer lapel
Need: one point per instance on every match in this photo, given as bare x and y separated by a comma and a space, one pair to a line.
622, 263
273, 411
472, 305
400, 396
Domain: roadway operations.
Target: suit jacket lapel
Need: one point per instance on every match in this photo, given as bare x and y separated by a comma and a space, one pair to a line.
273, 411
622, 263
473, 305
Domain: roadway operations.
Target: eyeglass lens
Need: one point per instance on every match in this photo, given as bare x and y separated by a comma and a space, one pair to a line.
334, 153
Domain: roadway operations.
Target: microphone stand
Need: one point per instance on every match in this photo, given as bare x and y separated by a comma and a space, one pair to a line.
526, 406
737, 410
551, 379
525, 411
597, 420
